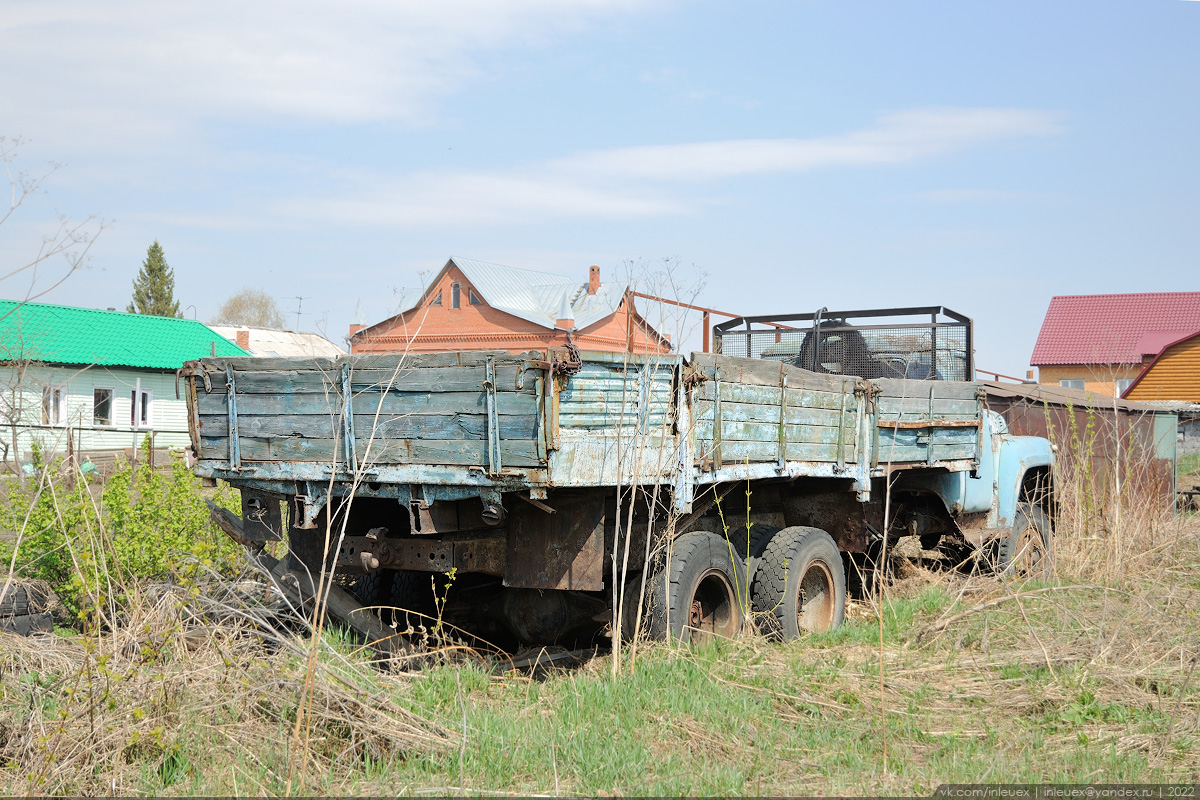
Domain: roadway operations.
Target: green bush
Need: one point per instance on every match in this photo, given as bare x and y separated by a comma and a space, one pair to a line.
92, 540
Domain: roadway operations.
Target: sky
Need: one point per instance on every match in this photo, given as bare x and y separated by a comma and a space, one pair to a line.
758, 157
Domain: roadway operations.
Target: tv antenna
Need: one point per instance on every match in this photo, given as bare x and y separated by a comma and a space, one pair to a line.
299, 302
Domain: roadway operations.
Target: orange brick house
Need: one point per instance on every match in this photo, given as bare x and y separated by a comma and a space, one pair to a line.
474, 305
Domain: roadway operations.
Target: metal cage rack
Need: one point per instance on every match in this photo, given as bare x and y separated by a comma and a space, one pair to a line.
868, 343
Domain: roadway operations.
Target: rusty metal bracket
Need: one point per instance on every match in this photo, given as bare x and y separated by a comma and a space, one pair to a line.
841, 453
348, 420
537, 503
309, 505
693, 376
928, 423
545, 366
717, 422
235, 449
493, 422
573, 364
783, 380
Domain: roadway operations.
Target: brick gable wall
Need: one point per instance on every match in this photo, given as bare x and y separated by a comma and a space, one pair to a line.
431, 328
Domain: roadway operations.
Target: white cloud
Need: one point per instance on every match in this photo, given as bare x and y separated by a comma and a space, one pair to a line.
647, 181
140, 71
897, 138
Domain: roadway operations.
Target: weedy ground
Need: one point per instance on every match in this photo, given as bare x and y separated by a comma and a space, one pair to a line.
1084, 678
1088, 677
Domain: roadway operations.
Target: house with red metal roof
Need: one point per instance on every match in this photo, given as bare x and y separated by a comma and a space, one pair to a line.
1102, 342
1173, 374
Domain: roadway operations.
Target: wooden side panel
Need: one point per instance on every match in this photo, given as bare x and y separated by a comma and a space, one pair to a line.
429, 409
902, 403
748, 410
608, 396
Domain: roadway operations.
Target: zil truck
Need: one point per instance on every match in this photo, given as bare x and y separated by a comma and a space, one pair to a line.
555, 495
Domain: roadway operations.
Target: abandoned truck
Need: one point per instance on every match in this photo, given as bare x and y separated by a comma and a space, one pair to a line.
535, 483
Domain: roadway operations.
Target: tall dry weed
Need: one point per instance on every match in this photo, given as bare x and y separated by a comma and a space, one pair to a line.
1114, 518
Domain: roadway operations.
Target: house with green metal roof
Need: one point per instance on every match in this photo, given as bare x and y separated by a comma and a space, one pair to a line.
94, 381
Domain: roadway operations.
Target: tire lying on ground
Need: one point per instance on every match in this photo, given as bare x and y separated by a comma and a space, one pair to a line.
693, 594
28, 624
25, 608
1028, 550
800, 585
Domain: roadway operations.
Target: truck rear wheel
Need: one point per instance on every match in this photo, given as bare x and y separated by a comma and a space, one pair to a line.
751, 548
800, 586
413, 599
693, 595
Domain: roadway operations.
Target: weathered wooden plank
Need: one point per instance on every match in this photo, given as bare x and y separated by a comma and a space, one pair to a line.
941, 452
918, 436
769, 396
919, 407
736, 452
630, 420
392, 403
439, 379
759, 372
385, 361
657, 395
949, 390
422, 426
793, 415
514, 453
762, 432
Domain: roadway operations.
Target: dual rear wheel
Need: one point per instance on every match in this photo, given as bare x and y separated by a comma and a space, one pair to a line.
793, 579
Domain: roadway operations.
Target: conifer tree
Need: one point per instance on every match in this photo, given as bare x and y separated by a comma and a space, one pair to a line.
154, 287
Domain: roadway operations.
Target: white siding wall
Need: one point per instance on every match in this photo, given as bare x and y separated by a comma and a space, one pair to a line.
168, 417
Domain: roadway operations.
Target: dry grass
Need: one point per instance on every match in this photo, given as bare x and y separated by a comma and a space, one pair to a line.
1090, 677
166, 700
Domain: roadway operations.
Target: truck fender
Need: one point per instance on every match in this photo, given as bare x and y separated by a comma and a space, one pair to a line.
1019, 455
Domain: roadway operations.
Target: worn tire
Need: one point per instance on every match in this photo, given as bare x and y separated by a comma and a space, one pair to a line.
374, 589
1028, 550
760, 536
28, 624
413, 599
801, 583
23, 599
693, 595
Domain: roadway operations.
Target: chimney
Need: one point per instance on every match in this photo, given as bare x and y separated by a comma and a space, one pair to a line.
355, 328
593, 279
243, 339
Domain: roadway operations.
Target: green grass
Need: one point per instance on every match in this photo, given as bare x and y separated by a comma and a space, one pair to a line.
1067, 685
1188, 464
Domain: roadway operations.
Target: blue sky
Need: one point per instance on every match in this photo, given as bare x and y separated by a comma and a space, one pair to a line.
782, 155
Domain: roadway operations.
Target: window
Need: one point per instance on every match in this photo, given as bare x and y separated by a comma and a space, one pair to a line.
1074, 383
139, 408
1123, 384
473, 298
437, 299
455, 292
52, 406
102, 407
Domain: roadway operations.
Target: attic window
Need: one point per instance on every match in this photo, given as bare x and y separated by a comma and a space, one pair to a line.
437, 299
455, 296
474, 298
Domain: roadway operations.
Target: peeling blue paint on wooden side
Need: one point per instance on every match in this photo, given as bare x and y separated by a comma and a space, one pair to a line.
472, 420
